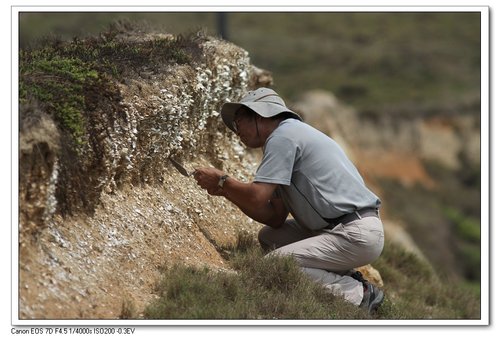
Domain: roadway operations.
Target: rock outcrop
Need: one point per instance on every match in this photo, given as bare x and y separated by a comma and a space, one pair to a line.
100, 220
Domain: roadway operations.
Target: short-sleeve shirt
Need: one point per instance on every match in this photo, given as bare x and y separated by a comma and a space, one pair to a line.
316, 179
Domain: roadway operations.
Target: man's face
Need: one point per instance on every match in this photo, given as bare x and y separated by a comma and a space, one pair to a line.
245, 124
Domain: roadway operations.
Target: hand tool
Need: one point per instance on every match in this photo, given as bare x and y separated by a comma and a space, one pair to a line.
181, 168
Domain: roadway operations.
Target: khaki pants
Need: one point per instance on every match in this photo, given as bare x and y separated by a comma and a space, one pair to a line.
328, 256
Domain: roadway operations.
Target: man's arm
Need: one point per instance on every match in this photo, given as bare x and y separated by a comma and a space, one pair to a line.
255, 199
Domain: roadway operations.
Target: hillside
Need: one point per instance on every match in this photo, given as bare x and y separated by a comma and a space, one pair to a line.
102, 212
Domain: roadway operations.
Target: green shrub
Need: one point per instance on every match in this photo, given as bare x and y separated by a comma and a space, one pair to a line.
59, 84
468, 229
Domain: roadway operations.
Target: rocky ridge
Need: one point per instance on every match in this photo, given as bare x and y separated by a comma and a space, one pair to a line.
82, 257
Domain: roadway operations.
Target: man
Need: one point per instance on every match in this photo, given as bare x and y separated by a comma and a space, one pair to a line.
335, 226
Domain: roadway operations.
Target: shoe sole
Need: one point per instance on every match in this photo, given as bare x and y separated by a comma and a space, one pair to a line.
377, 301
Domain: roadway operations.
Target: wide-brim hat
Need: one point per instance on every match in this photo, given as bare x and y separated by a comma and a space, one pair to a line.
263, 101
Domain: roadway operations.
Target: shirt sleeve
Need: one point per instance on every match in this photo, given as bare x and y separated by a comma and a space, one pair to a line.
278, 161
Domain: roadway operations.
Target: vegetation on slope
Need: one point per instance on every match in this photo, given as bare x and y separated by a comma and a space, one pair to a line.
65, 77
76, 84
445, 221
275, 288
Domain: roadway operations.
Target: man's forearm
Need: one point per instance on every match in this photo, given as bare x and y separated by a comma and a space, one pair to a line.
252, 201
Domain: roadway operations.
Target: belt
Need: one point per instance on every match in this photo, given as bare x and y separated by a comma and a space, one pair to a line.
359, 214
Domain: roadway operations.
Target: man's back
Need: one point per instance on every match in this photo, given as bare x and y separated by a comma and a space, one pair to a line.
317, 180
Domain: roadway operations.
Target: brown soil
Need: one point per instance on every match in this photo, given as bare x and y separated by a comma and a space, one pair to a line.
403, 167
90, 267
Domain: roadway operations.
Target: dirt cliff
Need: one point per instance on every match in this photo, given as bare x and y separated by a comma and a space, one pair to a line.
101, 210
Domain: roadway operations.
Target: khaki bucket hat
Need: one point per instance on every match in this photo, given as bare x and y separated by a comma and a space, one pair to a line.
263, 101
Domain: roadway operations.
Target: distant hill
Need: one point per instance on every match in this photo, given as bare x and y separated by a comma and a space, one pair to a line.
382, 63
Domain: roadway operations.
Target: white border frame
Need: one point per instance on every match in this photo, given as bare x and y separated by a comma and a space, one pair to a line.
485, 164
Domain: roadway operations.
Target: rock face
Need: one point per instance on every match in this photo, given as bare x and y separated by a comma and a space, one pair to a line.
97, 224
403, 142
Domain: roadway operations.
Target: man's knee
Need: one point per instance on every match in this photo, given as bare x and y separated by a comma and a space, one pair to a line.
264, 238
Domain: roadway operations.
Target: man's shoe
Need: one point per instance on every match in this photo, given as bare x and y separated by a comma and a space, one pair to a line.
372, 298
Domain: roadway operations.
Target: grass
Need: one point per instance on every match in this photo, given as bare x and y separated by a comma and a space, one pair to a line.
418, 292
129, 309
58, 82
392, 61
263, 288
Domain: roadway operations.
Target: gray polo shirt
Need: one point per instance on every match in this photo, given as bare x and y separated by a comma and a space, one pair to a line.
316, 179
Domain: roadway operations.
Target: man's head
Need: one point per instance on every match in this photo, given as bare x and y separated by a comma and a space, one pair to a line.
264, 101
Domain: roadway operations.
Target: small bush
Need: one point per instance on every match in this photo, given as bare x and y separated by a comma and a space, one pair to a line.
467, 228
58, 83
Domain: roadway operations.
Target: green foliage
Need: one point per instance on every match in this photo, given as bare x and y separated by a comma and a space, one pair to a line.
471, 260
460, 189
442, 221
58, 83
468, 229
469, 246
458, 202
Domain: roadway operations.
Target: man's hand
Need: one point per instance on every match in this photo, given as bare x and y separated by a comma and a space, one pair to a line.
254, 199
208, 179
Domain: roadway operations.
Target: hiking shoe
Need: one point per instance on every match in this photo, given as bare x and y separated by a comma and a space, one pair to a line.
372, 298
359, 277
